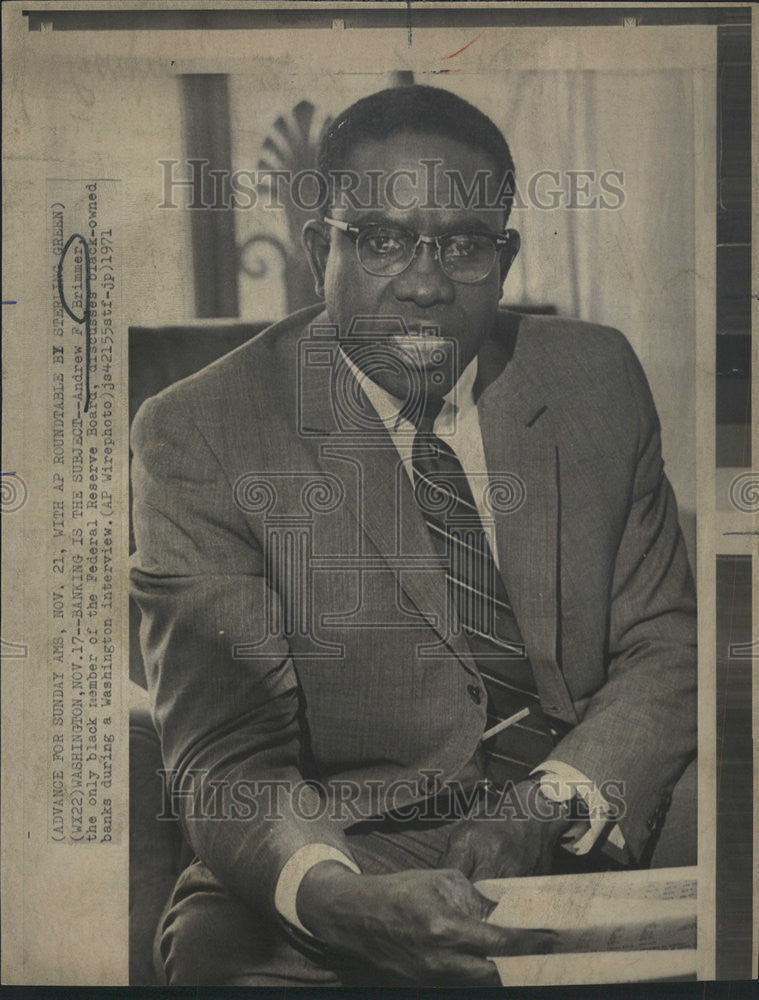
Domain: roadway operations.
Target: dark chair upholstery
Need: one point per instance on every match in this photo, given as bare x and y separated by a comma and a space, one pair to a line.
158, 356
156, 850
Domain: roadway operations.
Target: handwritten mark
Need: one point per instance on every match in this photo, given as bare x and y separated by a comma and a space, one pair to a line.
463, 48
85, 317
10, 302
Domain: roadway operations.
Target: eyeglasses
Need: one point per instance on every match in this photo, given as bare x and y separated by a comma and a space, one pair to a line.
386, 251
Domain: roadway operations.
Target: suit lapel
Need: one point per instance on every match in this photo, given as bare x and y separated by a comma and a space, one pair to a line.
383, 505
521, 448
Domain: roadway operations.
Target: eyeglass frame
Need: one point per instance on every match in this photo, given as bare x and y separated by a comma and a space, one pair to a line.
500, 242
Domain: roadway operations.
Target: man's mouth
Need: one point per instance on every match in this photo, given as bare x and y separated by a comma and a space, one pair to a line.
422, 339
425, 331
418, 330
417, 343
379, 328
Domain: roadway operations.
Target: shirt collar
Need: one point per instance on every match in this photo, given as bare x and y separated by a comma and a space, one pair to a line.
458, 400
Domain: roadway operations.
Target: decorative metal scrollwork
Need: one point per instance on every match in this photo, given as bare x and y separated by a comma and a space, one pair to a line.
292, 146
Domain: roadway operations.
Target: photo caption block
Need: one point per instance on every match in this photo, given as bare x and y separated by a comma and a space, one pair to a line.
87, 661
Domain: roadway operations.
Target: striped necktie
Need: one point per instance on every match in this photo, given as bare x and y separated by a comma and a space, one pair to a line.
479, 606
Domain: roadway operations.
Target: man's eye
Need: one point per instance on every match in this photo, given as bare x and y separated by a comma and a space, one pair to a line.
384, 243
462, 246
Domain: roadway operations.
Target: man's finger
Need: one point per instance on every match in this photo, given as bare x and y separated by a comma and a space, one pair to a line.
468, 970
479, 906
487, 939
518, 941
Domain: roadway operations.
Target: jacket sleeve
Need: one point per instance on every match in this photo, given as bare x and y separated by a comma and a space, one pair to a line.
639, 730
229, 725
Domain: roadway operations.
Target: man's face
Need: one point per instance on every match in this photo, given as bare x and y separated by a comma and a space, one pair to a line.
423, 295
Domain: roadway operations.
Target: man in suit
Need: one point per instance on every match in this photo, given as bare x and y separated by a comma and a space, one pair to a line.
416, 606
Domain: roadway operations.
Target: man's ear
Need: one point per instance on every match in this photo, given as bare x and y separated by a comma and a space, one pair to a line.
316, 243
509, 252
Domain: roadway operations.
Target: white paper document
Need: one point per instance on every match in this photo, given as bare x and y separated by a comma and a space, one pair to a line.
632, 926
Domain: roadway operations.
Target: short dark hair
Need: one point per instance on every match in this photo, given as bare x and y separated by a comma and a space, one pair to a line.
416, 108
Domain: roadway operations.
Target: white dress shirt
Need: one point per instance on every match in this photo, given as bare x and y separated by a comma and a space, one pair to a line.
458, 424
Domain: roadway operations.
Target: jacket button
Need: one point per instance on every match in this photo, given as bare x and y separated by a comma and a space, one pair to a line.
475, 693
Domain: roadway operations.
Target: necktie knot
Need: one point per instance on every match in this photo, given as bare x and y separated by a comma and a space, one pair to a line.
423, 412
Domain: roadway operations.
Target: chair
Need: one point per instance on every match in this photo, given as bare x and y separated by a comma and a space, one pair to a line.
158, 356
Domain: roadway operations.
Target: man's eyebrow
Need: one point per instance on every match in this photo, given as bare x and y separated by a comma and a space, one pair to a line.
378, 217
468, 224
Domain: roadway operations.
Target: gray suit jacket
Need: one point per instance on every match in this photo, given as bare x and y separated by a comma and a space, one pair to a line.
294, 621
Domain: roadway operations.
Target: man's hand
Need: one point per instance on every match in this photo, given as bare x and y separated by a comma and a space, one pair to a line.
519, 841
415, 927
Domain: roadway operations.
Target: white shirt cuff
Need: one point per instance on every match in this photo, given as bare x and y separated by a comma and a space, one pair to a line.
560, 782
292, 874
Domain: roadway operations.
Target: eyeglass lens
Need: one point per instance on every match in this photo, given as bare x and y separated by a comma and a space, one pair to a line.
464, 257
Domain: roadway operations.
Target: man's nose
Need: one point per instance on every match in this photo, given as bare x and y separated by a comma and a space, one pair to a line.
424, 282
